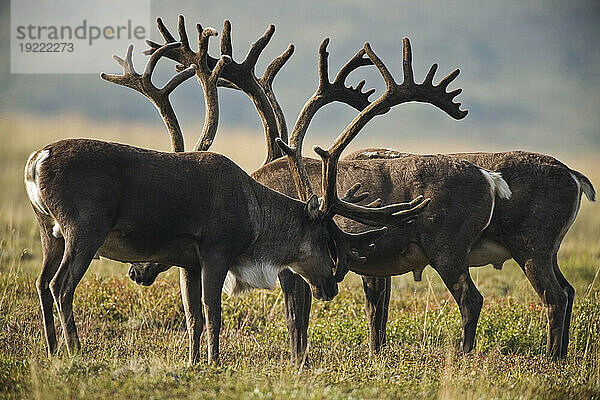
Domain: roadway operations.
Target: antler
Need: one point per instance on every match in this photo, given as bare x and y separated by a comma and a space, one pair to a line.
158, 97
266, 82
394, 94
348, 246
238, 76
243, 77
327, 92
209, 80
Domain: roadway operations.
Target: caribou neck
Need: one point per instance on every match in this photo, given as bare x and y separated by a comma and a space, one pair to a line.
278, 226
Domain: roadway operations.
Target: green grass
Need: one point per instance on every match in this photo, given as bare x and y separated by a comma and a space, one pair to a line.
135, 344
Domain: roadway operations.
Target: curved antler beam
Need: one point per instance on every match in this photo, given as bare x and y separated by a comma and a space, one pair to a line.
209, 80
158, 97
394, 95
239, 76
327, 92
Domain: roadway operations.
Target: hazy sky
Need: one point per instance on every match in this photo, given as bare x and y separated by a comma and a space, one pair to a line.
529, 70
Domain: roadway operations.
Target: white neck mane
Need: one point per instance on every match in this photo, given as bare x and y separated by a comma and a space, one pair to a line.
248, 273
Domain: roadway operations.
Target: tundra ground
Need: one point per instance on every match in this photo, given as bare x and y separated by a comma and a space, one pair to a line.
135, 345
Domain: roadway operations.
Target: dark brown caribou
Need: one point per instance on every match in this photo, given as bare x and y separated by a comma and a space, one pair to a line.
197, 210
529, 227
463, 195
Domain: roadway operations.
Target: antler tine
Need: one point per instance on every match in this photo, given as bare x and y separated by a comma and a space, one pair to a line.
209, 81
394, 94
128, 62
407, 62
275, 66
324, 63
326, 93
266, 81
183, 37
226, 47
202, 56
390, 83
164, 31
351, 196
429, 78
158, 97
257, 47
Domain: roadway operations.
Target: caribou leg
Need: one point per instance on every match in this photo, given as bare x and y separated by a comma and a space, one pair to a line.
190, 281
458, 281
297, 298
377, 300
570, 291
539, 271
80, 249
52, 249
214, 271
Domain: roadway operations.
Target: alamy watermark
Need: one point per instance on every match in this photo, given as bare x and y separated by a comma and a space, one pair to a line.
75, 36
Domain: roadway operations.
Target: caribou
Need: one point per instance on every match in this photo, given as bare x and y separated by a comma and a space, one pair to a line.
529, 227
195, 210
463, 195
546, 197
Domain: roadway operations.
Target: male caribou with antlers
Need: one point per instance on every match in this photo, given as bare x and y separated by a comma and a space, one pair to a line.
462, 194
195, 210
529, 227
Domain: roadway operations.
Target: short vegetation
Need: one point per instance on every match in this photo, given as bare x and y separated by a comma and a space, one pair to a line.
135, 344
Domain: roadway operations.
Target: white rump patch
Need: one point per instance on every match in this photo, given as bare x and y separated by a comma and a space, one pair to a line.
498, 187
247, 274
32, 172
502, 189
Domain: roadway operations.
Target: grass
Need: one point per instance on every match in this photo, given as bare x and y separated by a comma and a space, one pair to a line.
135, 344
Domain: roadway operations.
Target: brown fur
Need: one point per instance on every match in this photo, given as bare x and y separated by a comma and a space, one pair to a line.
442, 235
198, 211
531, 225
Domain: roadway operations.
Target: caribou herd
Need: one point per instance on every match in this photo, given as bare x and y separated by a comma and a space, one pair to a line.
227, 230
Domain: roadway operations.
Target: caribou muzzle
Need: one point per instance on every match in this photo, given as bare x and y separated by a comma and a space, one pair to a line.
145, 273
326, 290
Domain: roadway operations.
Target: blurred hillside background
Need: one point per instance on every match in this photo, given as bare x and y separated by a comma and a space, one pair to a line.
529, 73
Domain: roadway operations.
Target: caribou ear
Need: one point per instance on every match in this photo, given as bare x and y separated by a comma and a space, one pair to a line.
312, 207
